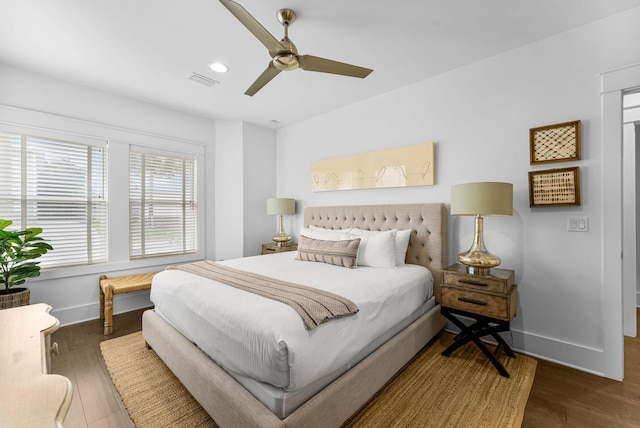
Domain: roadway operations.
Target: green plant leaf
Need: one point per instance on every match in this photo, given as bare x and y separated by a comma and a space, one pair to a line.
18, 249
13, 283
5, 234
34, 231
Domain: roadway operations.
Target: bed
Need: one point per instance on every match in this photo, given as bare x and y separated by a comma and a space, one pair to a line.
227, 398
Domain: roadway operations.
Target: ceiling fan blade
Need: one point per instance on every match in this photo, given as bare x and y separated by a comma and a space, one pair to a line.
323, 65
264, 78
265, 37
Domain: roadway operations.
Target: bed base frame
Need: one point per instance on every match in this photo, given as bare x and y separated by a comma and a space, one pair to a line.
231, 405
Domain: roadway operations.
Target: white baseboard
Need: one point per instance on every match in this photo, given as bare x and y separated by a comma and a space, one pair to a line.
579, 357
590, 360
121, 303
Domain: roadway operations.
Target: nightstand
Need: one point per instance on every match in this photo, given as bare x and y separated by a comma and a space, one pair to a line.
490, 300
273, 248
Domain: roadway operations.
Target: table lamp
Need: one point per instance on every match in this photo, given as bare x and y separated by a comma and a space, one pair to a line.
481, 199
281, 207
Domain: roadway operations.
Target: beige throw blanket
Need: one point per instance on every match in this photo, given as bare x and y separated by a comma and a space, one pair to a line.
314, 306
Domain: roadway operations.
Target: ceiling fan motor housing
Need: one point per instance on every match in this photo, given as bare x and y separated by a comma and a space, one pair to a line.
287, 60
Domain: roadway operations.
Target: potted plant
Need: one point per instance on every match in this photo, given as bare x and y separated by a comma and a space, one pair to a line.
18, 249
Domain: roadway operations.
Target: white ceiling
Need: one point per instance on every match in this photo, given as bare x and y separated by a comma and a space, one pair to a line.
146, 49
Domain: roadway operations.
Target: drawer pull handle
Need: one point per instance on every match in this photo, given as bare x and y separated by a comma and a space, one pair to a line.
472, 301
468, 281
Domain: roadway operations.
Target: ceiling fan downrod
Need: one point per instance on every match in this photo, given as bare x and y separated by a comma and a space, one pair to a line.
288, 60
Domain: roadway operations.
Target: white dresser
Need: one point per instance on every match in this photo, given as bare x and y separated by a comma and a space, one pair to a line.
29, 396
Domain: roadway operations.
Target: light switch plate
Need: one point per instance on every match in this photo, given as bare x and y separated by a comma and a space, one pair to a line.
578, 224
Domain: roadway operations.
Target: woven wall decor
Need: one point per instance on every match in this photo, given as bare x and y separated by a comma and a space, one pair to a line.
555, 143
554, 187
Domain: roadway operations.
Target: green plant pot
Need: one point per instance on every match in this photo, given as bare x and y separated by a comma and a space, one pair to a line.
16, 297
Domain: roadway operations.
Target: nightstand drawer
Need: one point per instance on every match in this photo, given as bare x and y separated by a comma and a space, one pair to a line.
273, 248
491, 305
499, 281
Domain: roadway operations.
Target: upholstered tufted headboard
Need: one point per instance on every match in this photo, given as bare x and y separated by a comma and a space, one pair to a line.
428, 243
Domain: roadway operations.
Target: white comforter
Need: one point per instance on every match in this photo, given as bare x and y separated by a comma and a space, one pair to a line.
266, 340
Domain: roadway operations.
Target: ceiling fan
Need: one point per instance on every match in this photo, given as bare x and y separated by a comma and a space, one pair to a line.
284, 53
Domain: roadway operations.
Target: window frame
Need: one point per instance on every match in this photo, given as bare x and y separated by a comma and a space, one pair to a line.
142, 151
35, 134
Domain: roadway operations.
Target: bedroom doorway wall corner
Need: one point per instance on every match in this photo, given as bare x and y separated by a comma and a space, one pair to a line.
614, 286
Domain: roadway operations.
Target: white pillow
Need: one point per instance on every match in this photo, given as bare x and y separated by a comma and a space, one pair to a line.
330, 231
402, 241
376, 249
402, 244
323, 234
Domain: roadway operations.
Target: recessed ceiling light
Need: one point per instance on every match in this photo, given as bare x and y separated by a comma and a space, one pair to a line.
219, 67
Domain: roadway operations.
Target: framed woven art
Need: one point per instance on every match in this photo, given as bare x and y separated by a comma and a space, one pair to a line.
554, 187
555, 143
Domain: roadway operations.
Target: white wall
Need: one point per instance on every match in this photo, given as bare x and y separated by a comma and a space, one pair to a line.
259, 184
21, 88
229, 192
38, 101
245, 178
480, 116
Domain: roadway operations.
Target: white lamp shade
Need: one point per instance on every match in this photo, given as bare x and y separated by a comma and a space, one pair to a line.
284, 206
485, 199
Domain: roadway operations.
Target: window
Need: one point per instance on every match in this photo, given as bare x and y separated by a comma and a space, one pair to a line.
59, 186
631, 107
163, 208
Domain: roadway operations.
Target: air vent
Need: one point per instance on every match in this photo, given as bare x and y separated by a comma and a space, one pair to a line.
203, 80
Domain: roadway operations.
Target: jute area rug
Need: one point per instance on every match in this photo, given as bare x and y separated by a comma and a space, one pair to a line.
463, 390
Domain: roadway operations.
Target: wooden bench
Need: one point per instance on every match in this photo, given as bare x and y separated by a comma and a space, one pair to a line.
117, 285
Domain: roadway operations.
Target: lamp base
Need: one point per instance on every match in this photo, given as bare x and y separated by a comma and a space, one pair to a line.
479, 263
281, 239
477, 259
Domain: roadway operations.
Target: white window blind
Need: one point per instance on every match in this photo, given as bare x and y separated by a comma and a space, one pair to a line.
61, 187
163, 206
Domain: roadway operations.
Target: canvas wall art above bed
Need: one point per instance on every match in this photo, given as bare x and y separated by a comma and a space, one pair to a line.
398, 167
255, 361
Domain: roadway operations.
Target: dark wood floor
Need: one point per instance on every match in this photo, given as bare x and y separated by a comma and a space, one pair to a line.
564, 397
560, 396
96, 403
